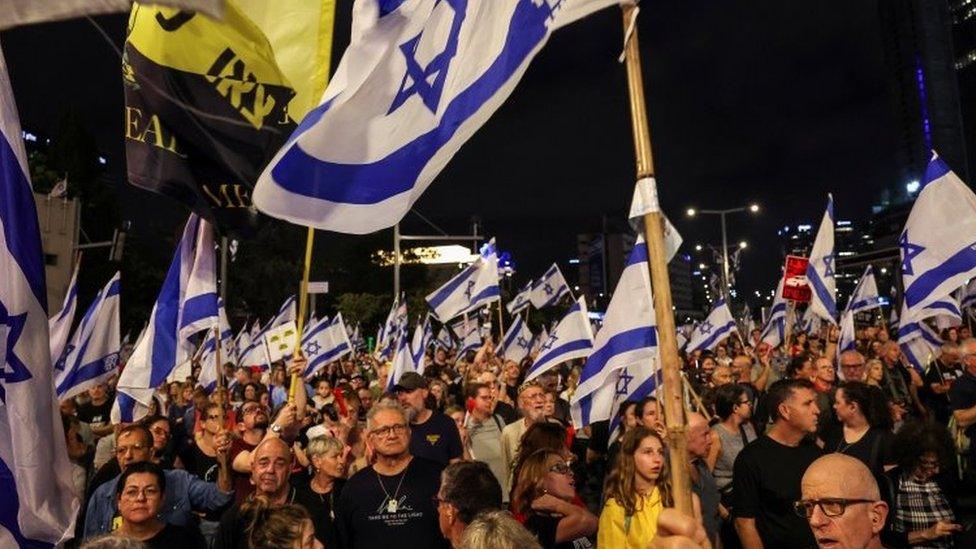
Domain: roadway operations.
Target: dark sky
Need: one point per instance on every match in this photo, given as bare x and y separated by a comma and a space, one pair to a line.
748, 100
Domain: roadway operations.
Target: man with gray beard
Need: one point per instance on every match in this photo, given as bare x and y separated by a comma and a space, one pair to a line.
433, 435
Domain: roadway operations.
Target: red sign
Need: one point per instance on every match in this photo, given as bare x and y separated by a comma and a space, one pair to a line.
795, 286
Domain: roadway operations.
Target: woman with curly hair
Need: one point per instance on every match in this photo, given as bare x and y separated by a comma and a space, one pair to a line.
865, 425
278, 526
637, 490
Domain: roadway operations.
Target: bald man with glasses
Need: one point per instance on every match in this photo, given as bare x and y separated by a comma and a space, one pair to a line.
841, 502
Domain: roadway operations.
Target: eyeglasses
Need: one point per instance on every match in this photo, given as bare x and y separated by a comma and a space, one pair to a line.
134, 448
384, 432
147, 492
831, 507
560, 469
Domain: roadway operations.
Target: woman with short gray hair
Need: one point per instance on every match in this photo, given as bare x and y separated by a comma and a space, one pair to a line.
328, 457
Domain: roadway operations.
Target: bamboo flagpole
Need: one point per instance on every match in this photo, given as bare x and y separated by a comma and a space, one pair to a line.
657, 264
302, 309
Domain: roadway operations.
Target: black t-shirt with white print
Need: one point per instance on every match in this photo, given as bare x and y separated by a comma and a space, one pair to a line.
366, 519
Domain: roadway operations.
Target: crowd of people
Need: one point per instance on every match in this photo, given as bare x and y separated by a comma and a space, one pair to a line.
793, 446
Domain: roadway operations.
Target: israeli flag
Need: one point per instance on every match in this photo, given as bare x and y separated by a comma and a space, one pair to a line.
421, 340
967, 295
810, 322
396, 322
180, 309
417, 80
549, 289
444, 339
256, 353
93, 354
325, 342
919, 343
947, 312
865, 296
628, 337
572, 338
521, 301
774, 331
475, 286
717, 326
402, 361
820, 270
938, 245
60, 324
208, 356
848, 339
356, 339
37, 499
517, 341
540, 338
471, 340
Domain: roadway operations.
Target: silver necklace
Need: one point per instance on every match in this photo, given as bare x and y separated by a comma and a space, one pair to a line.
391, 502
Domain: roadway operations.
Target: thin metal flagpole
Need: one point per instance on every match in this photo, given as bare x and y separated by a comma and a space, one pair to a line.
657, 265
221, 382
302, 308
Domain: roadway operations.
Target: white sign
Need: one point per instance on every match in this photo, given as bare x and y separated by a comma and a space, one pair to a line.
281, 341
318, 287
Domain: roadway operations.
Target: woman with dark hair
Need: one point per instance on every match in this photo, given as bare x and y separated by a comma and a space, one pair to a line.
865, 425
637, 490
542, 499
921, 505
627, 420
731, 434
801, 367
139, 495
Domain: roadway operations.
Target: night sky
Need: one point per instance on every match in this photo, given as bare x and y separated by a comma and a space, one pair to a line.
778, 103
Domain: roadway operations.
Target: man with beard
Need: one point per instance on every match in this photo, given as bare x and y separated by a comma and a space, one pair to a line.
392, 501
532, 404
433, 436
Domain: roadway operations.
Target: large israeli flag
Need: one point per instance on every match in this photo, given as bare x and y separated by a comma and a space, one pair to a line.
418, 79
549, 289
60, 324
820, 270
775, 328
473, 287
517, 341
572, 338
521, 300
37, 500
628, 339
93, 354
717, 326
165, 345
256, 352
325, 342
938, 245
865, 296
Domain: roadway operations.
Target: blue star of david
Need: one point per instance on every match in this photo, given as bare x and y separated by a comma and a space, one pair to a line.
312, 348
623, 383
828, 265
548, 344
908, 252
706, 327
522, 342
467, 292
12, 369
548, 289
428, 82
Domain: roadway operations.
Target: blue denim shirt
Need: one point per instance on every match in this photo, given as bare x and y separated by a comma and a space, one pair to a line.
184, 493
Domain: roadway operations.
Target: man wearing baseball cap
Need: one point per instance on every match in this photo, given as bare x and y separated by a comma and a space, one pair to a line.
433, 435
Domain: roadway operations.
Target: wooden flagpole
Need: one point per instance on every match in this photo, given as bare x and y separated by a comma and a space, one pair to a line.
657, 264
221, 382
501, 324
302, 308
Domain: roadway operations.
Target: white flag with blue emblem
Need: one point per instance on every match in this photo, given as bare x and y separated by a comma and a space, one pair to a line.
325, 342
549, 289
37, 499
628, 339
865, 296
517, 342
810, 323
967, 295
521, 300
208, 356
422, 336
402, 360
60, 324
164, 345
471, 340
717, 326
820, 269
938, 245
775, 328
919, 343
444, 339
848, 339
256, 353
572, 338
93, 354
473, 287
418, 79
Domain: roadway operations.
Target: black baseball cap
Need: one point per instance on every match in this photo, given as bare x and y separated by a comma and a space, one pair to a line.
410, 381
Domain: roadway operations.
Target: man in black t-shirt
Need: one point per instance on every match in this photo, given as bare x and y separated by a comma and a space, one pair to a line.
767, 473
434, 436
390, 503
98, 410
962, 396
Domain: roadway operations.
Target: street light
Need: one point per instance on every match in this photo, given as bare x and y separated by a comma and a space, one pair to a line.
691, 212
752, 208
743, 244
698, 247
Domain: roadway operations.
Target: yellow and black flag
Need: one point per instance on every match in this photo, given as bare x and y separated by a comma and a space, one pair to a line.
208, 102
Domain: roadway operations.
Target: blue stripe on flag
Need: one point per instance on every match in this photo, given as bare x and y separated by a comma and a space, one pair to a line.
490, 291
10, 508
198, 308
451, 286
818, 286
87, 372
127, 406
19, 216
936, 168
575, 345
631, 340
325, 358
706, 344
637, 255
926, 283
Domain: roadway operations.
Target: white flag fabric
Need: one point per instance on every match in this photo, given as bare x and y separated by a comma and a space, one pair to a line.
27, 12
396, 321
540, 338
325, 342
919, 343
471, 340
198, 309
517, 341
60, 324
549, 289
572, 338
37, 500
717, 326
521, 300
810, 322
162, 348
256, 352
444, 339
417, 80
938, 244
967, 295
402, 360
628, 338
93, 354
422, 336
281, 341
775, 328
847, 340
473, 287
820, 270
865, 296
208, 356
